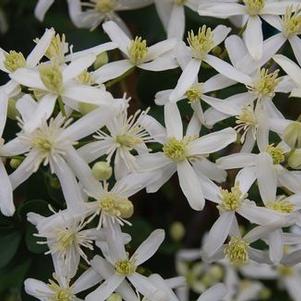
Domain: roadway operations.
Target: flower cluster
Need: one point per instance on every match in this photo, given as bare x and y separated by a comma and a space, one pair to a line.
103, 153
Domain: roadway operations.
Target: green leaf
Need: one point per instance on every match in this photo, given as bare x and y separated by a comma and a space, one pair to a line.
31, 240
9, 242
37, 206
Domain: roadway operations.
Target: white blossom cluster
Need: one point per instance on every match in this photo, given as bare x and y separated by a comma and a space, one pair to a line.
70, 122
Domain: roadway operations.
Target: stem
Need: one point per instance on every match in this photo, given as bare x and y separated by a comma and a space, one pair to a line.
119, 79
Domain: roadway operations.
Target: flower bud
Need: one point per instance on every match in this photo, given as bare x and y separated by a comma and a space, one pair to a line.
126, 208
177, 231
102, 170
101, 60
216, 272
12, 111
15, 162
292, 134
294, 159
265, 294
114, 297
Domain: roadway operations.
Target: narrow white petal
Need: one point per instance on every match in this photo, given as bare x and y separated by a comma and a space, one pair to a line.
215, 293
41, 8
173, 121
7, 206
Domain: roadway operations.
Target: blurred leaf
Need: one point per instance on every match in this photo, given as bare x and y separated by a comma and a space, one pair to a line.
37, 206
9, 242
31, 241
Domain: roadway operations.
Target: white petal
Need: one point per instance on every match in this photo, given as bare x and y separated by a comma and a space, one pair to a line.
3, 111
216, 292
161, 63
173, 121
94, 150
149, 247
276, 246
218, 10
7, 206
296, 46
160, 49
220, 33
41, 8
190, 185
236, 161
246, 178
40, 49
28, 78
86, 280
212, 142
176, 24
35, 287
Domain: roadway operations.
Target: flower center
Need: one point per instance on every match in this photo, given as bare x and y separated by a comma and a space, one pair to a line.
180, 2
175, 150
43, 144
65, 239
282, 206
125, 267
105, 6
86, 78
254, 7
128, 141
246, 117
285, 271
237, 251
60, 293
291, 22
57, 49
115, 205
52, 77
195, 92
201, 43
266, 83
231, 200
14, 60
277, 154
138, 50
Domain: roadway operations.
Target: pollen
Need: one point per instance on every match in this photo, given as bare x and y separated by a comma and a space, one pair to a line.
254, 7
266, 83
277, 154
195, 93
237, 251
128, 141
114, 205
180, 2
176, 150
57, 49
86, 78
52, 77
282, 206
65, 239
125, 267
231, 200
60, 293
138, 50
105, 6
14, 60
291, 22
43, 144
201, 43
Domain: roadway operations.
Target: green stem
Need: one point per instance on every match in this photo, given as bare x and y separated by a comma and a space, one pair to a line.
119, 79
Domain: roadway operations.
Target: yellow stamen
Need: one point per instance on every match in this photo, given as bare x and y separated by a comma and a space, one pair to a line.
52, 77
231, 200
291, 21
237, 251
282, 206
176, 150
254, 7
277, 154
14, 60
105, 6
138, 51
195, 93
125, 267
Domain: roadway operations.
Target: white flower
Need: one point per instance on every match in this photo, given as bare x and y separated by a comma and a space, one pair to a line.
59, 288
137, 54
251, 11
66, 238
172, 15
53, 82
215, 293
125, 135
200, 45
53, 143
99, 11
180, 151
122, 267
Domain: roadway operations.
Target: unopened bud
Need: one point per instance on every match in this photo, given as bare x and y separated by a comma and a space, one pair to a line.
15, 162
216, 272
114, 297
265, 294
126, 208
177, 231
292, 135
102, 170
294, 159
12, 111
101, 60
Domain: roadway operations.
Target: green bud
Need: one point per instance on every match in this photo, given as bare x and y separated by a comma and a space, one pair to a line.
177, 231
101, 60
294, 159
216, 272
265, 294
115, 297
12, 111
292, 134
102, 170
15, 162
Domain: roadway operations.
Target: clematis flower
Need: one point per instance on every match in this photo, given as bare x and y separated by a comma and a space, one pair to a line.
125, 135
123, 268
59, 288
251, 11
52, 142
172, 15
180, 151
98, 11
200, 45
137, 54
